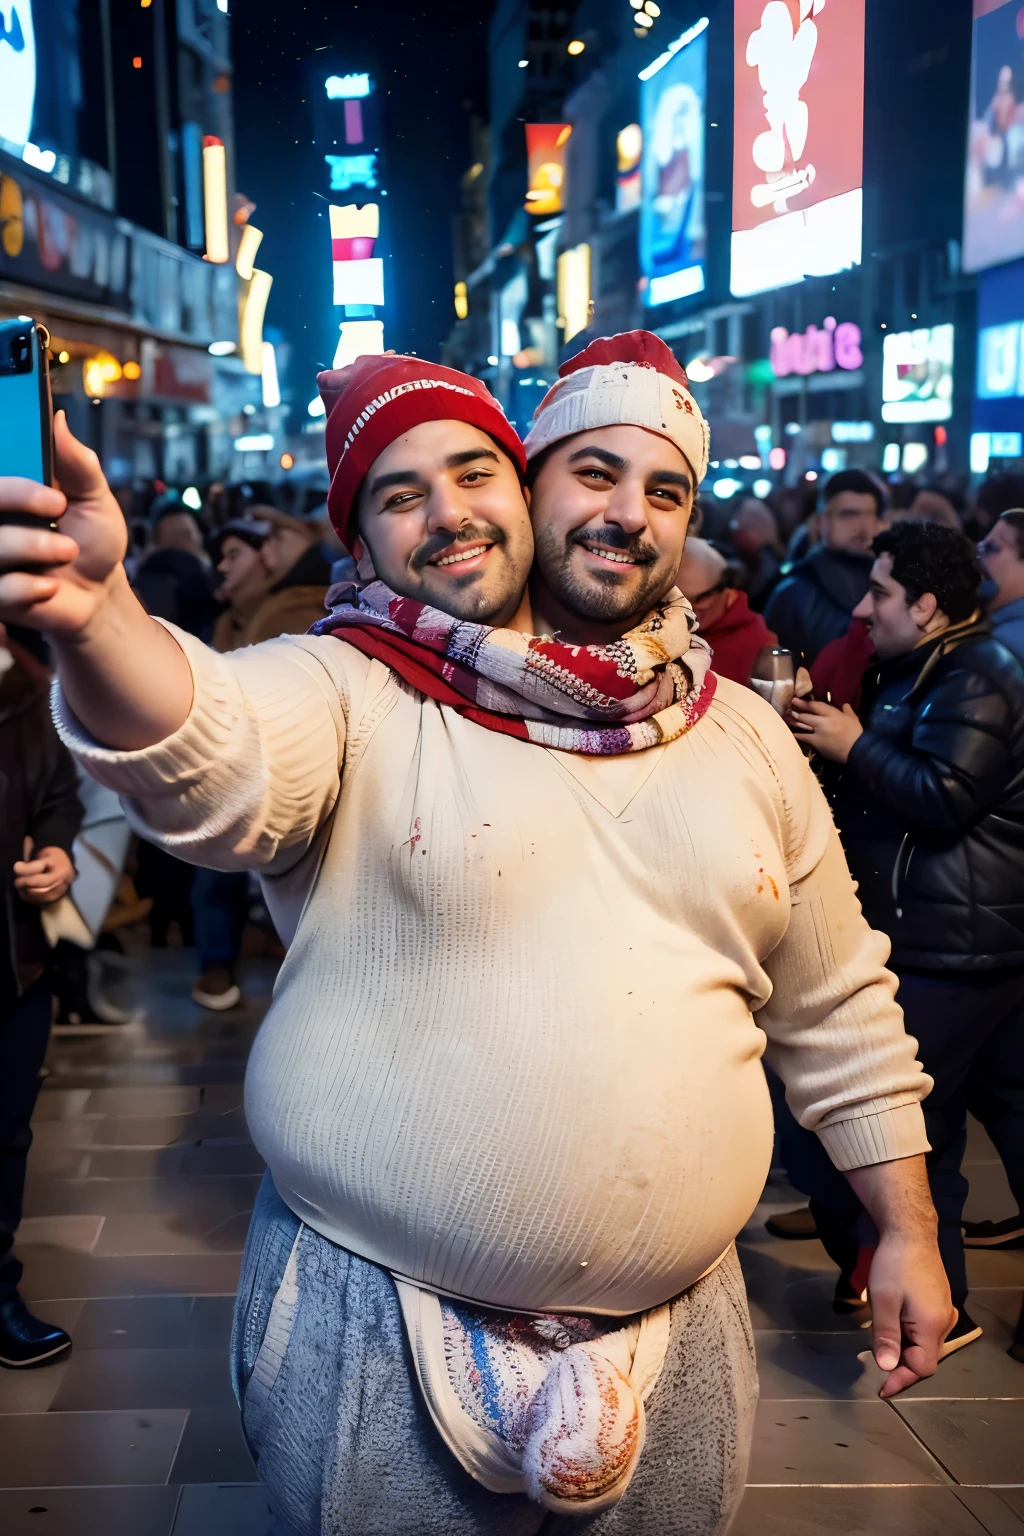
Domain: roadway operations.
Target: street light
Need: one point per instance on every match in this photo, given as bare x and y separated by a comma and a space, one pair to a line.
576, 47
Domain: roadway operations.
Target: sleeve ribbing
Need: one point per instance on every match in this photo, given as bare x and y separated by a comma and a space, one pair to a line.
835, 1033
252, 773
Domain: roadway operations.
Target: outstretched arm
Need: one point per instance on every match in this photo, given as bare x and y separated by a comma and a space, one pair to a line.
123, 674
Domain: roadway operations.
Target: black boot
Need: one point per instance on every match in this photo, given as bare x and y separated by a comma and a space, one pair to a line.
24, 1340
1016, 1349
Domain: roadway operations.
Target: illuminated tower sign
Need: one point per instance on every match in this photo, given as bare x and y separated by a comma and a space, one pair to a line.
345, 127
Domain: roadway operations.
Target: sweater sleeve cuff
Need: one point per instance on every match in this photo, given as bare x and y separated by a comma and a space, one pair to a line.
168, 765
881, 1131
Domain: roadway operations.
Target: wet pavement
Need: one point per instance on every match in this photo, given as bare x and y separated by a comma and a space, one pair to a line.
141, 1181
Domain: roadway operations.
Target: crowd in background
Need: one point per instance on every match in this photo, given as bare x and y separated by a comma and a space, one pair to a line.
903, 607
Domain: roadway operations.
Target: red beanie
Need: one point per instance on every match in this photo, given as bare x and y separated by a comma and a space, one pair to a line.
376, 399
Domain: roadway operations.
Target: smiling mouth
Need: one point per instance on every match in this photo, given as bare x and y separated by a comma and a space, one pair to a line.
459, 556
615, 556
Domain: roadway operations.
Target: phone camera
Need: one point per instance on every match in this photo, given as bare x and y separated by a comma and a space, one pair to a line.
16, 356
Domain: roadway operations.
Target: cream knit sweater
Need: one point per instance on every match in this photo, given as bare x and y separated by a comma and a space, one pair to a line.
514, 1049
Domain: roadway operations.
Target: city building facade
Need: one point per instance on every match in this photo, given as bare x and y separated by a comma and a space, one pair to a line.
121, 232
777, 191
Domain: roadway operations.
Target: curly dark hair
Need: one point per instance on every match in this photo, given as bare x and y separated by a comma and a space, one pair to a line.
926, 557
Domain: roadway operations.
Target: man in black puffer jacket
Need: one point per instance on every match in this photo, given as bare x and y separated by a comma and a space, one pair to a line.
930, 806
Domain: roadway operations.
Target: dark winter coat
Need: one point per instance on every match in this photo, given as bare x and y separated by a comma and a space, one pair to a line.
930, 805
814, 603
175, 585
38, 800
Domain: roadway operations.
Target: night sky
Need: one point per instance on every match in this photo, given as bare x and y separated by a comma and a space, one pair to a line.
430, 65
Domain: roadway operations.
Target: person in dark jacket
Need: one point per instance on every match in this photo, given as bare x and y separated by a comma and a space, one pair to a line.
814, 603
175, 580
1001, 553
39, 815
930, 807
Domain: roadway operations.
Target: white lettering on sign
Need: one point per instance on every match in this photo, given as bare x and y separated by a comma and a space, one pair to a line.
816, 350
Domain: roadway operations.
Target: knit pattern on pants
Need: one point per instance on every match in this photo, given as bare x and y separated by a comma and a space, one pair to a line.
345, 1446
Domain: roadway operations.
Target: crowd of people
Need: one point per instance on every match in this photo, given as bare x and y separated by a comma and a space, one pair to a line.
907, 608
424, 1002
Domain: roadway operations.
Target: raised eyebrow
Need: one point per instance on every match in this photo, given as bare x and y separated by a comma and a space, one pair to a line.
613, 460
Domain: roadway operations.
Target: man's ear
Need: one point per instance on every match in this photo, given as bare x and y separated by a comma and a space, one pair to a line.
364, 564
925, 610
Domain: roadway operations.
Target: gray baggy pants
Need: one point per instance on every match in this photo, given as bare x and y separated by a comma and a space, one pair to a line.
346, 1447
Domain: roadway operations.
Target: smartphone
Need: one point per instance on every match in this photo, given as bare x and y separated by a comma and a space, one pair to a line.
26, 406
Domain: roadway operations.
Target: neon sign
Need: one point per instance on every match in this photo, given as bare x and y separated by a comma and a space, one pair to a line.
816, 350
352, 171
347, 87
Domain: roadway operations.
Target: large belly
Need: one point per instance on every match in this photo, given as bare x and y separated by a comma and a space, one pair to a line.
588, 1142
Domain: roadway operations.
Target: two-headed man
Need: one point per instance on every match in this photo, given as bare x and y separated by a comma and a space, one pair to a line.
547, 902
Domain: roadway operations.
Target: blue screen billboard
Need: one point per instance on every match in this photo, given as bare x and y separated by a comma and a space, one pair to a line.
993, 208
673, 235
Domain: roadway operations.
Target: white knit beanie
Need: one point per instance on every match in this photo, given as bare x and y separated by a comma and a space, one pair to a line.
632, 379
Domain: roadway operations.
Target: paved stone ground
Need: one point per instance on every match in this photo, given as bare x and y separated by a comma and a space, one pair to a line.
141, 1181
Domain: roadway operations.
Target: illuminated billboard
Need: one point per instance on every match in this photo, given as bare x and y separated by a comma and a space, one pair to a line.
917, 375
545, 157
358, 274
1000, 361
798, 140
629, 148
993, 205
17, 72
673, 235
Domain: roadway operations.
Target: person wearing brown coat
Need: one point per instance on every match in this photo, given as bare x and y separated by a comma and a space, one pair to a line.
245, 578
300, 575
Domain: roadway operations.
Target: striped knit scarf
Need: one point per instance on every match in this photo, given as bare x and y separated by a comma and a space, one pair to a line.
648, 687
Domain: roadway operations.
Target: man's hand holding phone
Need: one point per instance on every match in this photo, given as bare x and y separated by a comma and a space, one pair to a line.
58, 581
123, 674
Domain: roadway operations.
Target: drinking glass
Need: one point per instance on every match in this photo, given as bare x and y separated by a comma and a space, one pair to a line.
773, 676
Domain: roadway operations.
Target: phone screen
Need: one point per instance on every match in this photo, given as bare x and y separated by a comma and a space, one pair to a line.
21, 427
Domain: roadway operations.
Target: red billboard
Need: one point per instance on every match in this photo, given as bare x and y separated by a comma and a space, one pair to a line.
798, 139
545, 153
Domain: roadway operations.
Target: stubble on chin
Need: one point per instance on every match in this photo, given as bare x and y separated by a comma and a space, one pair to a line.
603, 599
479, 601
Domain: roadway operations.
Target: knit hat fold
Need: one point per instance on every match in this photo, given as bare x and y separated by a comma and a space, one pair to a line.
632, 379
